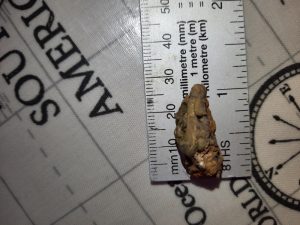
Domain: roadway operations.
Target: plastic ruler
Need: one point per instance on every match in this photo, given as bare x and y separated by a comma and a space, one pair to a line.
189, 42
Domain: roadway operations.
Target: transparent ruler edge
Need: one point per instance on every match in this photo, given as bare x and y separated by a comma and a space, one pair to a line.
158, 164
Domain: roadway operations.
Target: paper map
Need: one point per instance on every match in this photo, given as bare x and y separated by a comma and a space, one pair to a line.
73, 145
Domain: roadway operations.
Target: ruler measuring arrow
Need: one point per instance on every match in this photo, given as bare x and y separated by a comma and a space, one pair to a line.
189, 42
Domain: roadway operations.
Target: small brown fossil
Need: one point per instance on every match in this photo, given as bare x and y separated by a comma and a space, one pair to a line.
195, 135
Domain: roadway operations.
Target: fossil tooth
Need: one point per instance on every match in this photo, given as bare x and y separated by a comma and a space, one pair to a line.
195, 135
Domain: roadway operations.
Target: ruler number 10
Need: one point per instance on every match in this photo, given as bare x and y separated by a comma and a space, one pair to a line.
165, 6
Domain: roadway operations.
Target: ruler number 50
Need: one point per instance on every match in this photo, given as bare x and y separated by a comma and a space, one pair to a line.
165, 7
217, 5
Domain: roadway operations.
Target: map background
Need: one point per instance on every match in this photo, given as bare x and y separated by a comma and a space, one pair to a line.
98, 173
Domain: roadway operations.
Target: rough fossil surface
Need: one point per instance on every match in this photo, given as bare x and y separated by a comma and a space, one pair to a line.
195, 135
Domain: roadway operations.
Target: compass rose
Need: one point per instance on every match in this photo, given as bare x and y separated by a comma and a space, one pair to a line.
275, 120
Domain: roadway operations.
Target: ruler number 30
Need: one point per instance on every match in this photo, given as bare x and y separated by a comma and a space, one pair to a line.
169, 76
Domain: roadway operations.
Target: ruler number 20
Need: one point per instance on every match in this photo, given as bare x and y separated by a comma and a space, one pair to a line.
170, 111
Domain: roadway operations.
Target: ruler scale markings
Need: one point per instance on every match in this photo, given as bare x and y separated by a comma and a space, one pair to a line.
171, 32
238, 43
158, 76
237, 21
242, 154
151, 59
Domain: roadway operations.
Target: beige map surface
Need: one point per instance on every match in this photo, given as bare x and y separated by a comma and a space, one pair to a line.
78, 170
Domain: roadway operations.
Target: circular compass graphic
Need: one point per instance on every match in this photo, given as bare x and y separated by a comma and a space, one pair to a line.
275, 120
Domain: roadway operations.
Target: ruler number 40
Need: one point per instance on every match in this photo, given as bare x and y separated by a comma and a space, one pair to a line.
167, 40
